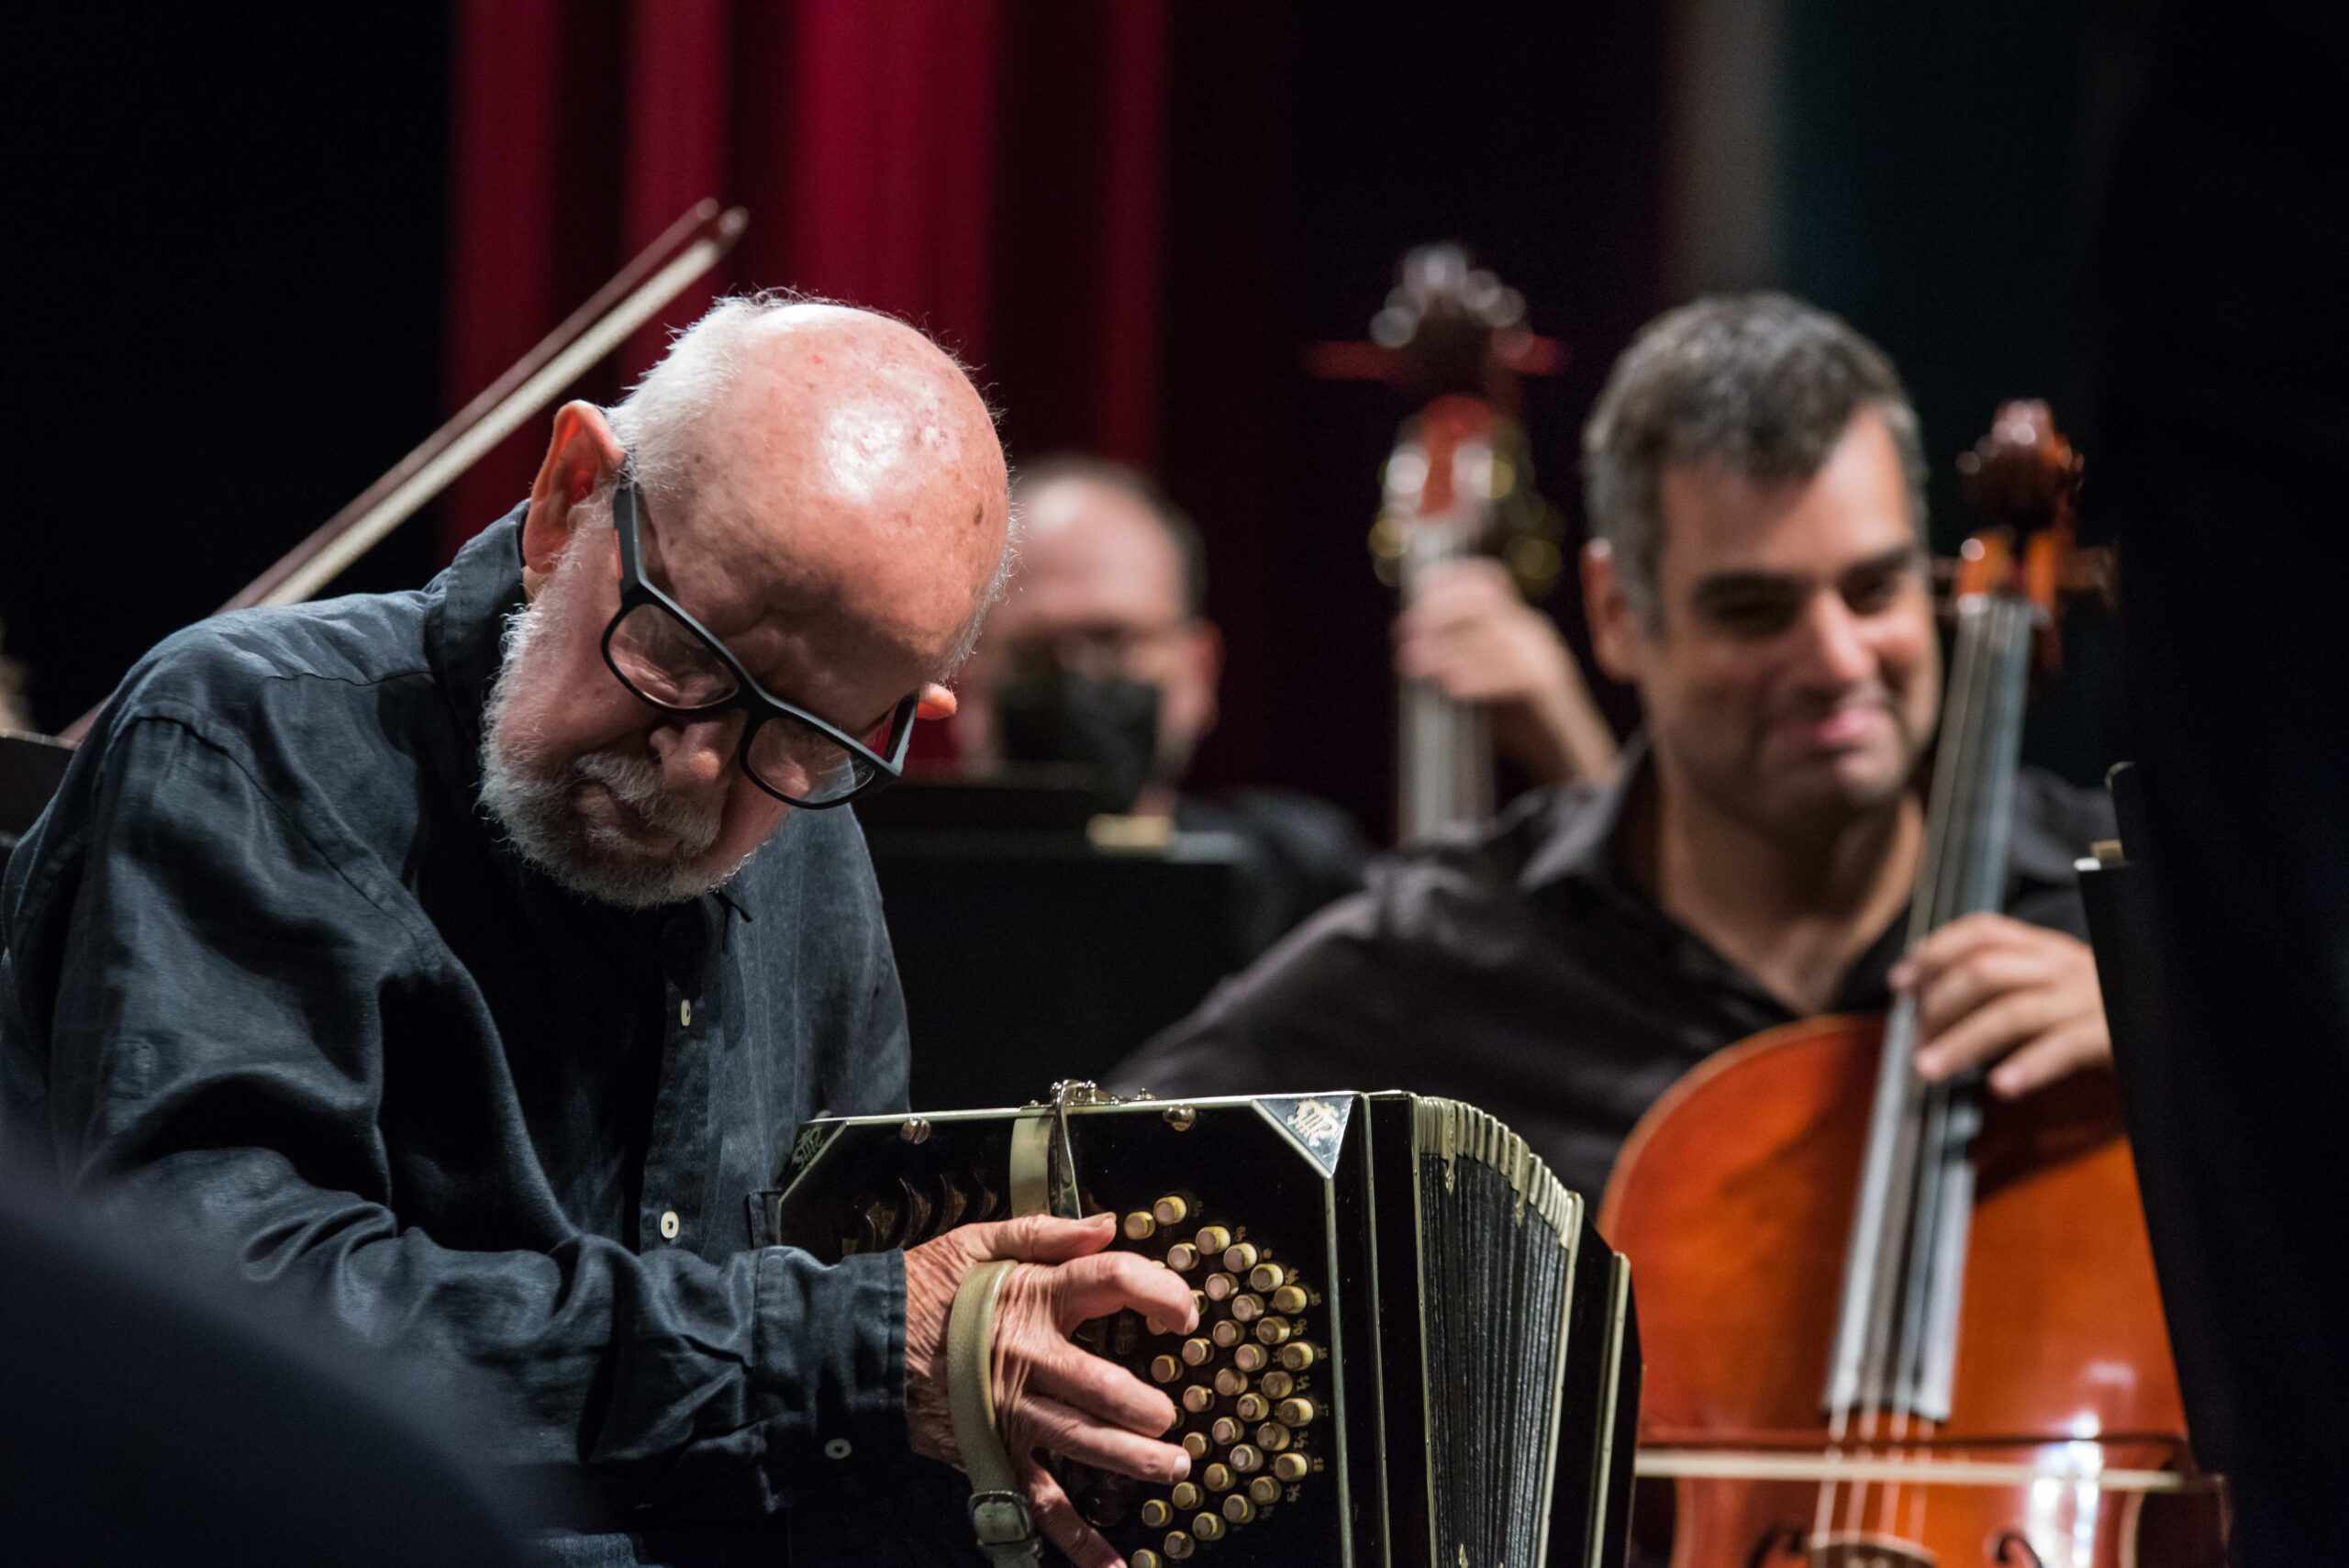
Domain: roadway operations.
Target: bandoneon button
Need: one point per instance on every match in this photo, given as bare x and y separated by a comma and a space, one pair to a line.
1239, 1257
1250, 1358
1169, 1211
1213, 1238
1225, 1431
1196, 1352
1271, 1436
1295, 1412
1289, 1298
1186, 1496
1228, 1382
1195, 1444
1220, 1286
1207, 1527
1291, 1466
1267, 1276
1139, 1227
1146, 1558
1246, 1459
1255, 1408
1155, 1513
1178, 1545
1296, 1358
1182, 1257
1164, 1369
1220, 1478
1197, 1398
1240, 1510
1225, 1334
1247, 1308
1275, 1384
1273, 1331
1264, 1489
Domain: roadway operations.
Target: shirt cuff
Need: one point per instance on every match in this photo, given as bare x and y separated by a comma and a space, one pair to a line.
832, 1359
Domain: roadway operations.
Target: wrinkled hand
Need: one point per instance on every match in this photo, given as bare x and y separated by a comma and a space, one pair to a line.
1468, 632
1990, 988
1048, 1394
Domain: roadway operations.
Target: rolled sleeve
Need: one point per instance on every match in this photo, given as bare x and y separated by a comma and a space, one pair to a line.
832, 1349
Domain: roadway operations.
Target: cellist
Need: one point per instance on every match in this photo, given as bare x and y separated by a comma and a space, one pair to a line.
1756, 487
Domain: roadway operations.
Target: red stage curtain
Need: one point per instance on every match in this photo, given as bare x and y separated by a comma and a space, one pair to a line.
884, 151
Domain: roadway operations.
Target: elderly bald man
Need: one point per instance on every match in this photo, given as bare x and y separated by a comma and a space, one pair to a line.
462, 962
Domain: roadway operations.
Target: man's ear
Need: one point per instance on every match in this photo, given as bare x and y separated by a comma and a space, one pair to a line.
581, 455
935, 703
1607, 609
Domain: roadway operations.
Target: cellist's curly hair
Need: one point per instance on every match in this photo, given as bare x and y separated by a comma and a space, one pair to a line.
1761, 382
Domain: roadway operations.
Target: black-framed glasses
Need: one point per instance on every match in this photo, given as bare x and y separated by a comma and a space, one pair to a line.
668, 659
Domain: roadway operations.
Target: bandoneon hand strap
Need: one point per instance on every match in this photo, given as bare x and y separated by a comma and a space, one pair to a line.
999, 1513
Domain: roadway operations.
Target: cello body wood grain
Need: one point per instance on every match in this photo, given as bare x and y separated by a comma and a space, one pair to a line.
2062, 1371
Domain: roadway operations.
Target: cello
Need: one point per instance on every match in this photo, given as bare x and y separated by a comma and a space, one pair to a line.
1894, 1323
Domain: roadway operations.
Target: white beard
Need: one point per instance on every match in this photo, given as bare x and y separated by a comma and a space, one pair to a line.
537, 807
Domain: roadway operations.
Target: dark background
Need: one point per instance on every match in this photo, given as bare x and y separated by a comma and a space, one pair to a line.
239, 230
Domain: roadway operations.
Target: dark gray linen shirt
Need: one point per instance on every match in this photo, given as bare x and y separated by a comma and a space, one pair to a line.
1522, 968
272, 980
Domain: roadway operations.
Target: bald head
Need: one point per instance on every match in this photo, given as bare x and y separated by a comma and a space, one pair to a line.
840, 455
824, 495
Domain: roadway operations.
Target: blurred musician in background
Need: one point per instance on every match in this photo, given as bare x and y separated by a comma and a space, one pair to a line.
460, 963
1755, 485
1101, 657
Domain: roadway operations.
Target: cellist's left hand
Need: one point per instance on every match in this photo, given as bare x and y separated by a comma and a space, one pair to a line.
1992, 989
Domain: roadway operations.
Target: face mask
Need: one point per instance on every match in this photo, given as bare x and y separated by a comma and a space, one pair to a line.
1107, 727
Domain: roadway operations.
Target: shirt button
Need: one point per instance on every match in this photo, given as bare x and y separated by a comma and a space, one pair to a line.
670, 1225
836, 1449
686, 1014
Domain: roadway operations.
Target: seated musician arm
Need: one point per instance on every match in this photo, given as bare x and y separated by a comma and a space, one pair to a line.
204, 1004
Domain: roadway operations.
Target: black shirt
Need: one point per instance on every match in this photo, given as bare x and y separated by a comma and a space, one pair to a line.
1298, 855
271, 978
1524, 970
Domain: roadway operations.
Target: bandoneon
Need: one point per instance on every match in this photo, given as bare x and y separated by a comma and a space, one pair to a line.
1413, 1351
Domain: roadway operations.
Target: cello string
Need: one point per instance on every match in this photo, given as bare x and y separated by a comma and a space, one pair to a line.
1994, 712
1948, 842
1950, 898
1970, 785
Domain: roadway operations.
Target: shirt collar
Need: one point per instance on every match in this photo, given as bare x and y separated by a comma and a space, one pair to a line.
480, 589
1587, 846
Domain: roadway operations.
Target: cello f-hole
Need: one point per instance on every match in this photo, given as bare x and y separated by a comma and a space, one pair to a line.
1787, 1538
2012, 1550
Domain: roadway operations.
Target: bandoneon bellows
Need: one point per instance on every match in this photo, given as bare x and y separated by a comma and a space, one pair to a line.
1413, 1351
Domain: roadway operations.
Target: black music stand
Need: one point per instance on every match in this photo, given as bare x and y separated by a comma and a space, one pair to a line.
1029, 956
2152, 1064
